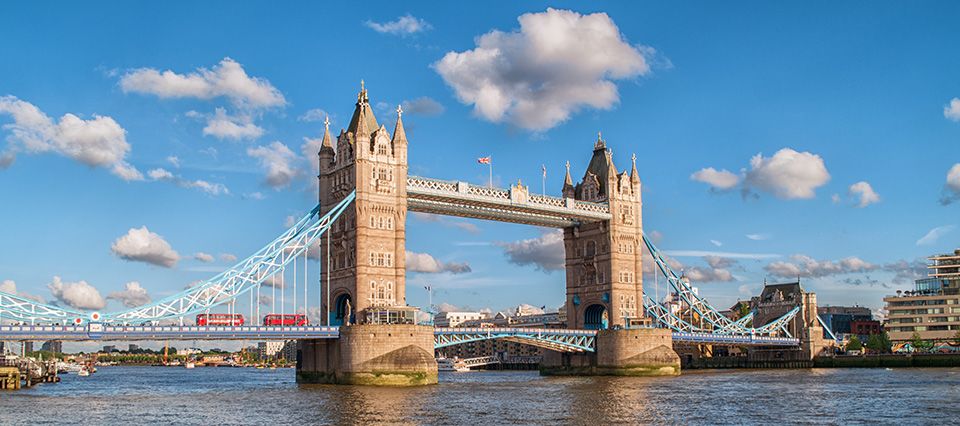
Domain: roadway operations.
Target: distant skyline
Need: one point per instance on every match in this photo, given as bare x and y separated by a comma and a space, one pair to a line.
146, 147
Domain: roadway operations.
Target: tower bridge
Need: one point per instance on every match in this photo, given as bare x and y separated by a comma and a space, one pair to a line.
355, 240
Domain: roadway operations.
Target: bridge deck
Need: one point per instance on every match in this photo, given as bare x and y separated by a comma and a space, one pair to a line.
516, 205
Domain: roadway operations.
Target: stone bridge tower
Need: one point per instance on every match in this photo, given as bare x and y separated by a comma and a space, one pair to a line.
604, 259
368, 241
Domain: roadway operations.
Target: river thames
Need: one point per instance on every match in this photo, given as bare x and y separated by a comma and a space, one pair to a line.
152, 395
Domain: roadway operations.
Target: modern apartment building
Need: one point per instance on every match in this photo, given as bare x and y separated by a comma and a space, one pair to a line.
839, 318
932, 309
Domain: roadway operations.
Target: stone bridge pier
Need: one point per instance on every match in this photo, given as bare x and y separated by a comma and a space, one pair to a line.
623, 352
370, 354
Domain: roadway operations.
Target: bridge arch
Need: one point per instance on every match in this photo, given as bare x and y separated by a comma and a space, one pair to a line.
596, 317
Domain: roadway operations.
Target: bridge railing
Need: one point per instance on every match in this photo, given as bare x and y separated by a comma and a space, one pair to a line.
514, 330
417, 185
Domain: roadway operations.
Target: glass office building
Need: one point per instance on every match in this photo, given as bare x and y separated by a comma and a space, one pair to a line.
932, 308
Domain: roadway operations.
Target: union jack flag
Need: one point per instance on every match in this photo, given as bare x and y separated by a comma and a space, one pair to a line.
484, 160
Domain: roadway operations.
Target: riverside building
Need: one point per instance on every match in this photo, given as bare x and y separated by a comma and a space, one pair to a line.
932, 309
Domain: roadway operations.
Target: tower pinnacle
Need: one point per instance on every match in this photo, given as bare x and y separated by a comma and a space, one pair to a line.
568, 189
326, 133
600, 144
399, 134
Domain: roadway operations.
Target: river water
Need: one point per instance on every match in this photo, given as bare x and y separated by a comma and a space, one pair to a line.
153, 395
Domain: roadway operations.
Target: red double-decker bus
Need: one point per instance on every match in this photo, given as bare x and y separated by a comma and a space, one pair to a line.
285, 319
231, 320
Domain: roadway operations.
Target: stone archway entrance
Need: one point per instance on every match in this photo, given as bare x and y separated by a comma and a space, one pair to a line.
595, 317
340, 309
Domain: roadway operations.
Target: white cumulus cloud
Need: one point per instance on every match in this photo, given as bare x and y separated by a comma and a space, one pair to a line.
10, 287
279, 162
141, 245
80, 294
403, 26
546, 252
806, 266
133, 295
951, 190
427, 264
558, 62
315, 114
934, 234
223, 126
203, 257
227, 79
97, 142
719, 180
864, 194
227, 257
422, 106
161, 174
788, 174
952, 110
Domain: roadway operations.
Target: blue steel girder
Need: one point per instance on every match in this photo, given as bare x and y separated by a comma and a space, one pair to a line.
733, 340
21, 309
559, 340
715, 321
107, 332
242, 277
221, 289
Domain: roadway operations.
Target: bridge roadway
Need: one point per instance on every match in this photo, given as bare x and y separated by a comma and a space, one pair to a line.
550, 338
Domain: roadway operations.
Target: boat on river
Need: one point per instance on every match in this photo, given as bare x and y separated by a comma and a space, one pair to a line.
451, 364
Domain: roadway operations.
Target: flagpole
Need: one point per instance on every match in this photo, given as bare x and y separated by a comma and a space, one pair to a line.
543, 187
490, 166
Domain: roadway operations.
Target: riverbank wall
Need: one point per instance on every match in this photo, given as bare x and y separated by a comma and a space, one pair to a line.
836, 361
888, 360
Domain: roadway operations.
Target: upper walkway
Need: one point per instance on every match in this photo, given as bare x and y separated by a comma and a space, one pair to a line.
516, 204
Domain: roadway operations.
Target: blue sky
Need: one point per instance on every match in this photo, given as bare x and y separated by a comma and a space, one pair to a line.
822, 96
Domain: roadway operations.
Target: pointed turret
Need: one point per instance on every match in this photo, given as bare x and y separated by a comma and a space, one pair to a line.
601, 165
363, 122
568, 190
327, 141
634, 176
326, 153
399, 135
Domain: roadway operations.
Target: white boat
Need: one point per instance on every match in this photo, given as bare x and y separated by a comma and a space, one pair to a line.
189, 365
83, 372
451, 364
69, 367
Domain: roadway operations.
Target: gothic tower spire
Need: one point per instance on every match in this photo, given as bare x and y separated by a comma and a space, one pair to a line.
568, 189
363, 121
327, 143
398, 133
